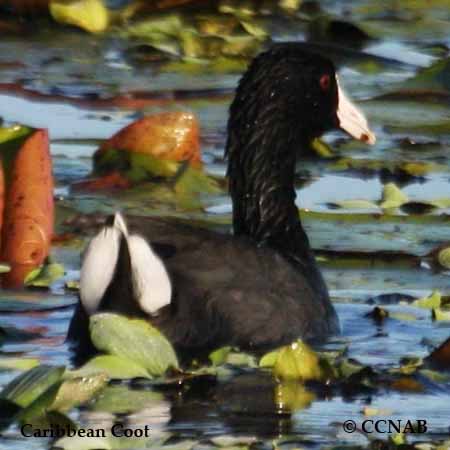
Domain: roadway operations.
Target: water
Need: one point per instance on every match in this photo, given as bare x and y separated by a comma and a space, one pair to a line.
56, 71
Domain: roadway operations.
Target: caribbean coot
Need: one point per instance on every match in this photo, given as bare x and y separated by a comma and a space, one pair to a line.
261, 287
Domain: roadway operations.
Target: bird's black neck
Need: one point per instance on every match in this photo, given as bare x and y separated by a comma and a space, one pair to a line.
261, 168
261, 171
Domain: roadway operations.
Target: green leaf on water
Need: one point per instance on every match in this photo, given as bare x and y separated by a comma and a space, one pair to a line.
36, 411
269, 359
90, 15
13, 132
18, 363
433, 78
26, 388
45, 275
443, 257
133, 339
430, 302
227, 355
441, 315
115, 367
241, 359
392, 197
233, 441
298, 361
77, 390
219, 356
322, 148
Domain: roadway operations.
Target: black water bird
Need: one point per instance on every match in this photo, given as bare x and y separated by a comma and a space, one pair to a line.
261, 287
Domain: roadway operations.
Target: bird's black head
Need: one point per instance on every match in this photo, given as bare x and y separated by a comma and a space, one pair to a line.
290, 87
287, 97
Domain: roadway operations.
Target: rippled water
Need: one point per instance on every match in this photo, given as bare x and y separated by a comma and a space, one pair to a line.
244, 405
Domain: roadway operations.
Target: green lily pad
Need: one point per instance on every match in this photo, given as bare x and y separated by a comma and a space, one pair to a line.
133, 339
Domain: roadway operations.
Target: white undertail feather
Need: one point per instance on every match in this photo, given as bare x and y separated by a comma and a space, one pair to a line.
151, 282
120, 224
97, 270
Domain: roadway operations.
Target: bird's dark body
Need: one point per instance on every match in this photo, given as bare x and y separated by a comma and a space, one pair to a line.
236, 293
260, 287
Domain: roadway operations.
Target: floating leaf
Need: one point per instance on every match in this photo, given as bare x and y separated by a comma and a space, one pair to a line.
322, 148
435, 78
441, 315
14, 132
219, 356
443, 257
392, 197
240, 359
430, 302
18, 363
398, 439
72, 285
90, 15
78, 390
26, 388
37, 410
370, 412
254, 28
157, 27
133, 339
115, 367
45, 276
170, 136
269, 359
298, 361
348, 367
233, 441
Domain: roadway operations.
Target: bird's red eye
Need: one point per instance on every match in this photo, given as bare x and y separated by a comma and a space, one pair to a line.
325, 82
